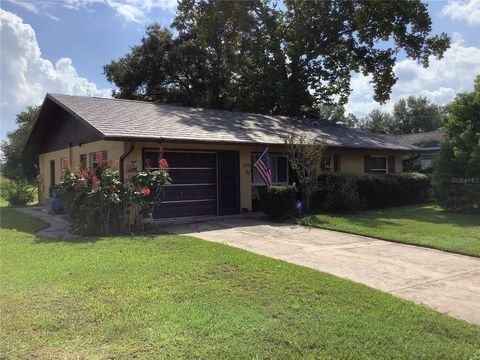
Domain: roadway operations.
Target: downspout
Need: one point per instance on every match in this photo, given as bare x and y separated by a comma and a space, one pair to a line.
121, 162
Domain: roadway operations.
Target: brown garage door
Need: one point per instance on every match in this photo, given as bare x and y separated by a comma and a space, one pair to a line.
193, 191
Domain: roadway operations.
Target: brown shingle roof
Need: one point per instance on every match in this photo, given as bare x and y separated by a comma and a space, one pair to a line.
126, 119
431, 140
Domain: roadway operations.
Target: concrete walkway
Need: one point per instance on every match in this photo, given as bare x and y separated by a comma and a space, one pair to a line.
59, 225
446, 282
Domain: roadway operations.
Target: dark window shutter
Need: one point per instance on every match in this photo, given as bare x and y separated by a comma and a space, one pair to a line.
368, 164
336, 163
391, 164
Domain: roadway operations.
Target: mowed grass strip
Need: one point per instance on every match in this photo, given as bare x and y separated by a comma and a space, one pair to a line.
178, 296
425, 225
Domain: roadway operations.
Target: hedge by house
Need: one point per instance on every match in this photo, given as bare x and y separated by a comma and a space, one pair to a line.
351, 192
278, 201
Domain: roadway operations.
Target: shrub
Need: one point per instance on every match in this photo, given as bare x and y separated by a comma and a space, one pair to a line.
278, 201
456, 169
98, 203
336, 193
17, 192
350, 192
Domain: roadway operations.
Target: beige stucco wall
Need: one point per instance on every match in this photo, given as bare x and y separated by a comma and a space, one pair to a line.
114, 150
350, 160
353, 160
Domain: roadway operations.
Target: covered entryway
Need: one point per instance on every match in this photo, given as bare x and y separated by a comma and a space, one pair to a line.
193, 191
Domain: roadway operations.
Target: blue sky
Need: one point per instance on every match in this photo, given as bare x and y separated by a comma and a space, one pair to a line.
61, 46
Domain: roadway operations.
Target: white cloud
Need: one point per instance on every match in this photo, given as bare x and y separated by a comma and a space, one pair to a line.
26, 76
463, 10
129, 10
26, 5
439, 82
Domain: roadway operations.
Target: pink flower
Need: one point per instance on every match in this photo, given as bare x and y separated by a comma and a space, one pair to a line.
146, 191
163, 164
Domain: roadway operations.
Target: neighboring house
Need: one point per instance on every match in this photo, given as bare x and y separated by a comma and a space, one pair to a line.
210, 152
429, 144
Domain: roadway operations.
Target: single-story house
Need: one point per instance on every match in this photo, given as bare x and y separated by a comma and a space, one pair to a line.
210, 152
429, 144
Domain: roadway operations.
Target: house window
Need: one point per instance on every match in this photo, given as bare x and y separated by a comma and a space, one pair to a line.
326, 163
63, 165
92, 158
151, 158
278, 167
378, 164
83, 161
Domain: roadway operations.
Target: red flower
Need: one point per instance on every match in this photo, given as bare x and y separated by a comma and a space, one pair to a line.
99, 157
146, 191
84, 173
92, 173
95, 183
163, 164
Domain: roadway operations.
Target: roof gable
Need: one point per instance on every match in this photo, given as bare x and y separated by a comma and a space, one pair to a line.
57, 128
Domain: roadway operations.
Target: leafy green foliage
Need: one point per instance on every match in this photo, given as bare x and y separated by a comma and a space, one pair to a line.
182, 297
337, 192
424, 225
278, 201
260, 57
304, 155
379, 122
417, 114
17, 192
456, 175
410, 115
12, 166
98, 203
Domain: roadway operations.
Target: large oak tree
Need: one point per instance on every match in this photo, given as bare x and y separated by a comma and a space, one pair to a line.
281, 59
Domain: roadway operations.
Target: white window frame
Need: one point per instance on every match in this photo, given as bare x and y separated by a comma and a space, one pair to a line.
91, 157
386, 164
271, 156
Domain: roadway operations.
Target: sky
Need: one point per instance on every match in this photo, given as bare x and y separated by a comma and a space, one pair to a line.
60, 46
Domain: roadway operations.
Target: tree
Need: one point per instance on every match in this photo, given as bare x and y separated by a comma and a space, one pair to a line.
12, 166
335, 114
257, 56
456, 169
304, 156
379, 122
417, 114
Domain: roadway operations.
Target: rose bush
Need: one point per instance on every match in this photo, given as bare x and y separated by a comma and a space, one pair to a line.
98, 203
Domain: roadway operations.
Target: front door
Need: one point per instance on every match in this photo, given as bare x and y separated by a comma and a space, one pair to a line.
229, 182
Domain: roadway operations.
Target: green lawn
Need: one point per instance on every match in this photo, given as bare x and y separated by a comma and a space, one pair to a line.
425, 225
177, 296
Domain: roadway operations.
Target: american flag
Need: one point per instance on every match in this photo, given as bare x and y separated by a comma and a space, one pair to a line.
263, 167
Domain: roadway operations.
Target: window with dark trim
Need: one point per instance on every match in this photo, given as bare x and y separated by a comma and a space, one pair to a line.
278, 167
326, 163
376, 164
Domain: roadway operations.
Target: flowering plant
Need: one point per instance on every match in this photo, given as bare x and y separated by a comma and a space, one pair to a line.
98, 203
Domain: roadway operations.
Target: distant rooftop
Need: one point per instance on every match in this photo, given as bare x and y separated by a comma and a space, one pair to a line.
431, 140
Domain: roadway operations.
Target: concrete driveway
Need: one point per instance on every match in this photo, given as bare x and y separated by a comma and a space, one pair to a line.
446, 282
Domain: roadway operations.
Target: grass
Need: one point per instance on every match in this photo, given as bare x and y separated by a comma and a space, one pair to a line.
425, 225
178, 296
